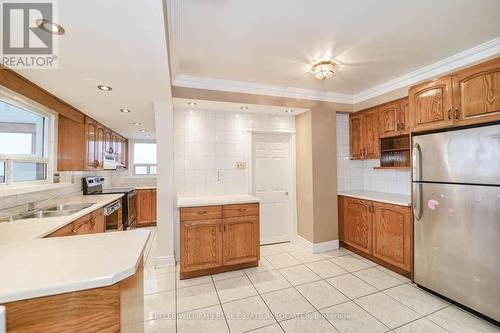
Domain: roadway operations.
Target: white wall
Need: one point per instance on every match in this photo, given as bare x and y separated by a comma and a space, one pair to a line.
208, 142
360, 175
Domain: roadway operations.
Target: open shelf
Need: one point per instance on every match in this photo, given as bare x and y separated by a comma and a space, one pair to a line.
395, 153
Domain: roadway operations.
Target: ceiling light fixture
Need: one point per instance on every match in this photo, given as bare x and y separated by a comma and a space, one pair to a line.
191, 103
323, 69
136, 124
244, 108
125, 110
104, 87
289, 111
50, 27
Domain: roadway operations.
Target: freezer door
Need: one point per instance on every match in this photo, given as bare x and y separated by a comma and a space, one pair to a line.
470, 156
457, 243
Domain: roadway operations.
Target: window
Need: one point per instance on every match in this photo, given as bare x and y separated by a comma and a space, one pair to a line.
23, 143
144, 158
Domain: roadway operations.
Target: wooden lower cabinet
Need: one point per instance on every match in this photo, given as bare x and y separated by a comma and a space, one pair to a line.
379, 231
201, 244
115, 308
88, 224
146, 208
215, 239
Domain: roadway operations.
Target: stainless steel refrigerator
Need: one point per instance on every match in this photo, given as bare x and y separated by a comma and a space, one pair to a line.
456, 203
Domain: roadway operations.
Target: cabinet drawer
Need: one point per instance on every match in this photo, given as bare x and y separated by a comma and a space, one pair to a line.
200, 213
240, 210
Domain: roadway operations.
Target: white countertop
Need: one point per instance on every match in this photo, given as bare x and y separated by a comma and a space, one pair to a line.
33, 266
216, 200
391, 198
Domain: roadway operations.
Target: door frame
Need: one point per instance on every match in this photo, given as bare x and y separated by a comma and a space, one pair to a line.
292, 168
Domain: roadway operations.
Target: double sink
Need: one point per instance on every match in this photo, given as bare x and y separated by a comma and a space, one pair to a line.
48, 211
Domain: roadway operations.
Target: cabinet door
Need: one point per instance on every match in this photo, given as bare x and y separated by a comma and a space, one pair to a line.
392, 234
124, 152
476, 94
389, 117
153, 206
70, 145
108, 141
430, 105
241, 239
357, 224
96, 219
404, 116
90, 139
143, 207
355, 136
370, 136
200, 244
100, 146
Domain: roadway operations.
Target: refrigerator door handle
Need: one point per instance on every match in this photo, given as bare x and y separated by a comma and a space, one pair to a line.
417, 201
417, 162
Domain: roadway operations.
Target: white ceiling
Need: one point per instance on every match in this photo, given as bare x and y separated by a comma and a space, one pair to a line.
182, 104
120, 43
273, 42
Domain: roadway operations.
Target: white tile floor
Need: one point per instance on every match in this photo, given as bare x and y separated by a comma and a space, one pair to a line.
293, 290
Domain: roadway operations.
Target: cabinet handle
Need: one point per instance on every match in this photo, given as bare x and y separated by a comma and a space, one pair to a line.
457, 113
449, 113
92, 220
202, 212
243, 209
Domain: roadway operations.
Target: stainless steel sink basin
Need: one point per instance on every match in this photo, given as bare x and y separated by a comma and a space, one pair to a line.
62, 207
44, 213
49, 211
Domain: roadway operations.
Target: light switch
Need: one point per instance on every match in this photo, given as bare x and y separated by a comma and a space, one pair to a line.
241, 165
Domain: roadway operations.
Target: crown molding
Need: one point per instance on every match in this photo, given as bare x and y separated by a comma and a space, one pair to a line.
471, 56
189, 81
462, 59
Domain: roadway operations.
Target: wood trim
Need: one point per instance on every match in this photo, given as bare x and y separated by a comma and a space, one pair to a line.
187, 275
21, 85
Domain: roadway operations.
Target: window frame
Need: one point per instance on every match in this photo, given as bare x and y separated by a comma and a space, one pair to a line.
131, 159
48, 154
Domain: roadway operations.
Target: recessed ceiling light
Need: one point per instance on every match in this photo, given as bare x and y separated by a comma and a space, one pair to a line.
50, 27
125, 110
136, 124
104, 87
192, 103
289, 111
142, 130
244, 108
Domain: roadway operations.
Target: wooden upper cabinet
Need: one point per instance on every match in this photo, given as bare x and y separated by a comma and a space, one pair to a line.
392, 234
71, 144
200, 244
90, 139
431, 105
355, 132
370, 136
476, 93
241, 239
100, 146
108, 141
404, 116
389, 118
357, 224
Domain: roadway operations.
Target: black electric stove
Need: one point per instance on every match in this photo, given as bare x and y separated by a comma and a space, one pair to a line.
93, 186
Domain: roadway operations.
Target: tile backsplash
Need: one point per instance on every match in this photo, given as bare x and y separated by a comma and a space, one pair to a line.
360, 175
120, 178
207, 146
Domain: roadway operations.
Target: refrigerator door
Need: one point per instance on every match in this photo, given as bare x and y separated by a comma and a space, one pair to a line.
467, 156
457, 243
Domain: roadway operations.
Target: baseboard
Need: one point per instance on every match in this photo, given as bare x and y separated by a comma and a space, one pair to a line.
318, 247
164, 261
273, 240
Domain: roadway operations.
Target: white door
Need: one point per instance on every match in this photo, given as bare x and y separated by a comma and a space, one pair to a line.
271, 174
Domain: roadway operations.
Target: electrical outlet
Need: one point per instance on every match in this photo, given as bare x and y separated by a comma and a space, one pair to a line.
241, 165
